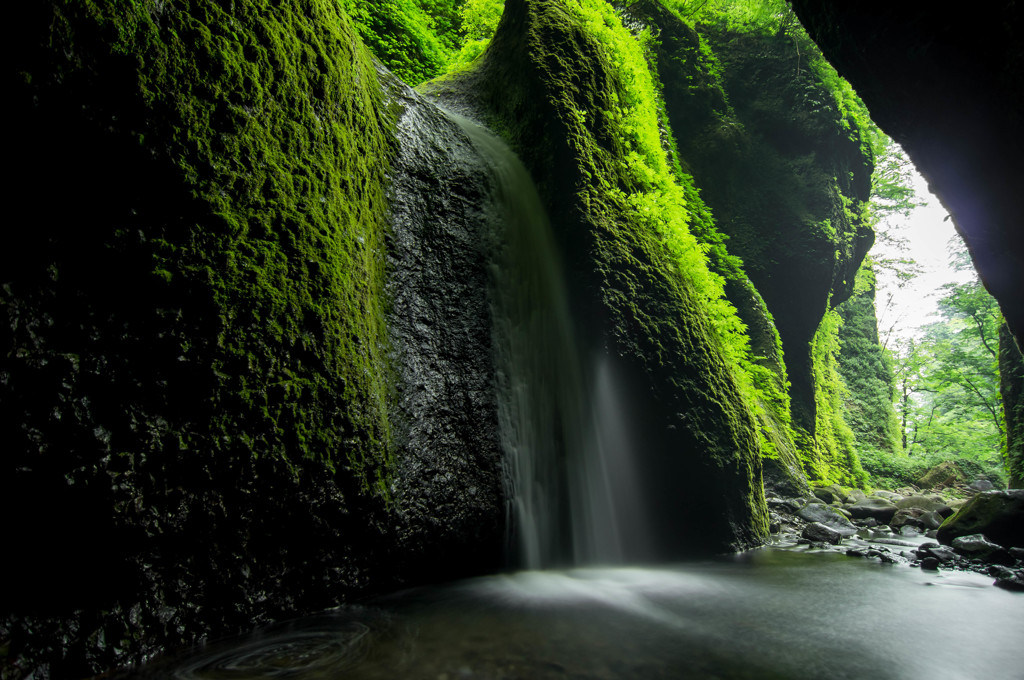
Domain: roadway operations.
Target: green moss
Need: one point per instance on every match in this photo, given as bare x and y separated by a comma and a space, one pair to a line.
272, 120
829, 455
404, 37
571, 89
866, 370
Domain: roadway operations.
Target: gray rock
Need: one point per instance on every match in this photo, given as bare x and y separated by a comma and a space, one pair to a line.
974, 544
821, 513
827, 494
855, 495
929, 502
930, 564
819, 533
880, 509
907, 517
786, 505
981, 485
977, 546
887, 495
932, 519
940, 552
1012, 582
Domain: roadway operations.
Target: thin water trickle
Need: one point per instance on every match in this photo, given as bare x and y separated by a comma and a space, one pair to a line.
574, 497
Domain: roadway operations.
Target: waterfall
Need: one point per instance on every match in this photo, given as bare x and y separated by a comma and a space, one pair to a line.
571, 488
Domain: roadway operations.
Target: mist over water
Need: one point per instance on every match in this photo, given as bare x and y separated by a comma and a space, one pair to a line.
766, 614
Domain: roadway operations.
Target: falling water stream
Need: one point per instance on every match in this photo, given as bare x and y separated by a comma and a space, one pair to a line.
574, 499
765, 614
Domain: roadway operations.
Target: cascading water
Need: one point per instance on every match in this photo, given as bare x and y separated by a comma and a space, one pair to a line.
572, 491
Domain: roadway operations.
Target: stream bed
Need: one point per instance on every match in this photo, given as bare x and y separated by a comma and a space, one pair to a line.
767, 613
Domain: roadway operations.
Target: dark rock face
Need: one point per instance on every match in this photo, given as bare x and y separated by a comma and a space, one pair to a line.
448, 486
997, 514
1011, 389
210, 406
951, 92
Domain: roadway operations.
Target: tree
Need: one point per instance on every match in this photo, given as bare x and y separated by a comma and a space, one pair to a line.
949, 380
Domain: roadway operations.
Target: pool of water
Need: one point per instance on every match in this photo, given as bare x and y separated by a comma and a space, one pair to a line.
765, 614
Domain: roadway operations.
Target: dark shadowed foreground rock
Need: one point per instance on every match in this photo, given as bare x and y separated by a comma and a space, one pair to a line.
216, 408
997, 514
977, 546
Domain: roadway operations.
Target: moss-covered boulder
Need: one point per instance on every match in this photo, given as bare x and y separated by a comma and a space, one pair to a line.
555, 83
997, 514
946, 473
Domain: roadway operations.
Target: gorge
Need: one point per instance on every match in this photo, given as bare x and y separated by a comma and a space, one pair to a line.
282, 333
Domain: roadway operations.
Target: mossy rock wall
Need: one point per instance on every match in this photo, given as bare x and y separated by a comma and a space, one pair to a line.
548, 85
202, 413
866, 370
786, 180
1011, 389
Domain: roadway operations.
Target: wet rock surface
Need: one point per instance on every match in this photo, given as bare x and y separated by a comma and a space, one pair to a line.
909, 537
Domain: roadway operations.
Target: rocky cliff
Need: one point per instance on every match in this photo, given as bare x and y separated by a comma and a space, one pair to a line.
242, 376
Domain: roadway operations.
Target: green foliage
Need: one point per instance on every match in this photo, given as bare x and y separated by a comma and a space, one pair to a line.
446, 21
423, 39
948, 394
402, 35
745, 16
480, 18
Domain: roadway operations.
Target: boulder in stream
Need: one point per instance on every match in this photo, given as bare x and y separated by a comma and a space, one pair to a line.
822, 514
932, 502
977, 546
998, 514
878, 508
820, 533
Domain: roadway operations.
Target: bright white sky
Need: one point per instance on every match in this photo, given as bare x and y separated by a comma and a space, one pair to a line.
928, 235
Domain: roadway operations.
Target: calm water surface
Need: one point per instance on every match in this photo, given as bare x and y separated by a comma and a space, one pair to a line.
766, 614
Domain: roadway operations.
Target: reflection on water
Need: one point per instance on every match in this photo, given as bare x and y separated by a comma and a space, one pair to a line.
767, 614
